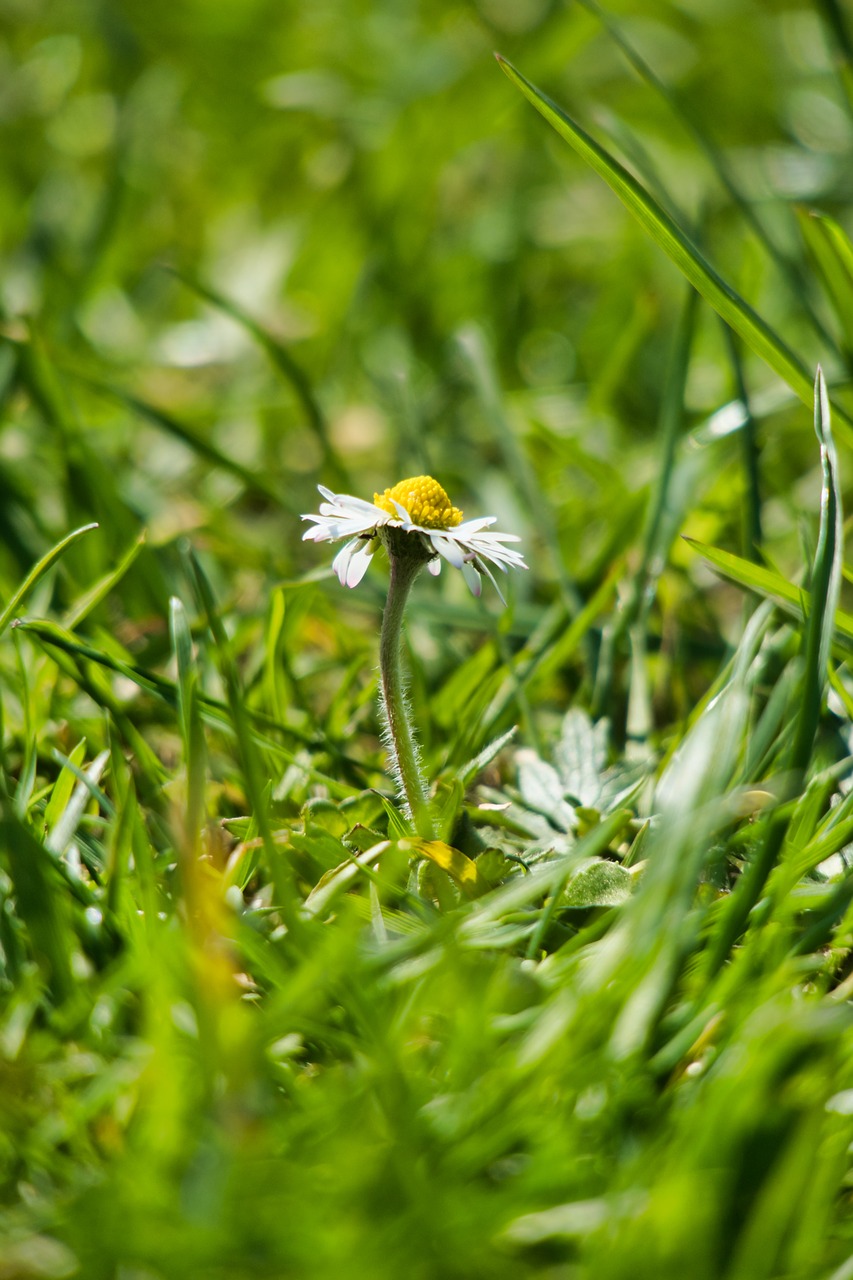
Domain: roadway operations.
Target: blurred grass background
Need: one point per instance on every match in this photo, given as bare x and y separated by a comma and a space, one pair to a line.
251, 247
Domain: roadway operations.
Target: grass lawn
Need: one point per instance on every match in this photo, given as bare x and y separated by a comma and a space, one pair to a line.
512, 938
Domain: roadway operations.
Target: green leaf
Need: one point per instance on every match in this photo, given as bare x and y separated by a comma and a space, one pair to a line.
601, 884
580, 756
678, 246
542, 790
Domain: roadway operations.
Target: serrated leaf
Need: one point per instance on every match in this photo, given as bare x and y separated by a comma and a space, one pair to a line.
580, 756
542, 789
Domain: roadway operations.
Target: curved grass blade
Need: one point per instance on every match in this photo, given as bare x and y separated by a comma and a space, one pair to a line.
93, 597
39, 571
789, 267
678, 246
796, 601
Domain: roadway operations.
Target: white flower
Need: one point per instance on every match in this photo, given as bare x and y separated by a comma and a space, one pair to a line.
420, 507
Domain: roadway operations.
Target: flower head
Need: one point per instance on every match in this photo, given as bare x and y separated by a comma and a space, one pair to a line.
419, 510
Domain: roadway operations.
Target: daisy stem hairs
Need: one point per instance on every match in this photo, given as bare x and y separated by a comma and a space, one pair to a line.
401, 735
418, 526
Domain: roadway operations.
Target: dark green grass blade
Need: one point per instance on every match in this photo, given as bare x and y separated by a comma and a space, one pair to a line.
788, 266
90, 599
833, 254
842, 34
39, 896
678, 246
192, 734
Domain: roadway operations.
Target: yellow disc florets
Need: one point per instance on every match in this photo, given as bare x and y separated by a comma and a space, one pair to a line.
424, 499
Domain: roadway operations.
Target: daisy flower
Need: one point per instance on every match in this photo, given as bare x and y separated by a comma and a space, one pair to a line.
413, 519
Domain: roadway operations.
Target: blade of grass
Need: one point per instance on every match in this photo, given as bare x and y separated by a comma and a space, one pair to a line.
788, 266
826, 578
39, 896
833, 254
99, 592
678, 246
195, 751
38, 572
795, 600
279, 867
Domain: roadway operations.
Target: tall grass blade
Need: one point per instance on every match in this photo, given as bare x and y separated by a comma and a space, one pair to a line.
39, 893
826, 579
789, 267
279, 868
678, 246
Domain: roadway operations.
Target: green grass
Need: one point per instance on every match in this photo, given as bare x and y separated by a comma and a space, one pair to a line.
250, 1026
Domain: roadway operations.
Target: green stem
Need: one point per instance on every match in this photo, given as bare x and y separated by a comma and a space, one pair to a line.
404, 570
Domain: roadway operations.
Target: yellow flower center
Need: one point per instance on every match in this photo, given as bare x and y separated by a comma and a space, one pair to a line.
425, 501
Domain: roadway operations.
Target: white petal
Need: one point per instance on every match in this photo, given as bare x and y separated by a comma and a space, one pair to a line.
485, 569
471, 526
402, 513
434, 566
340, 564
359, 564
350, 564
450, 550
472, 577
348, 504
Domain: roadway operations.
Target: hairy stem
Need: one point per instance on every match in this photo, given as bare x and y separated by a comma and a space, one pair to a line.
404, 570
